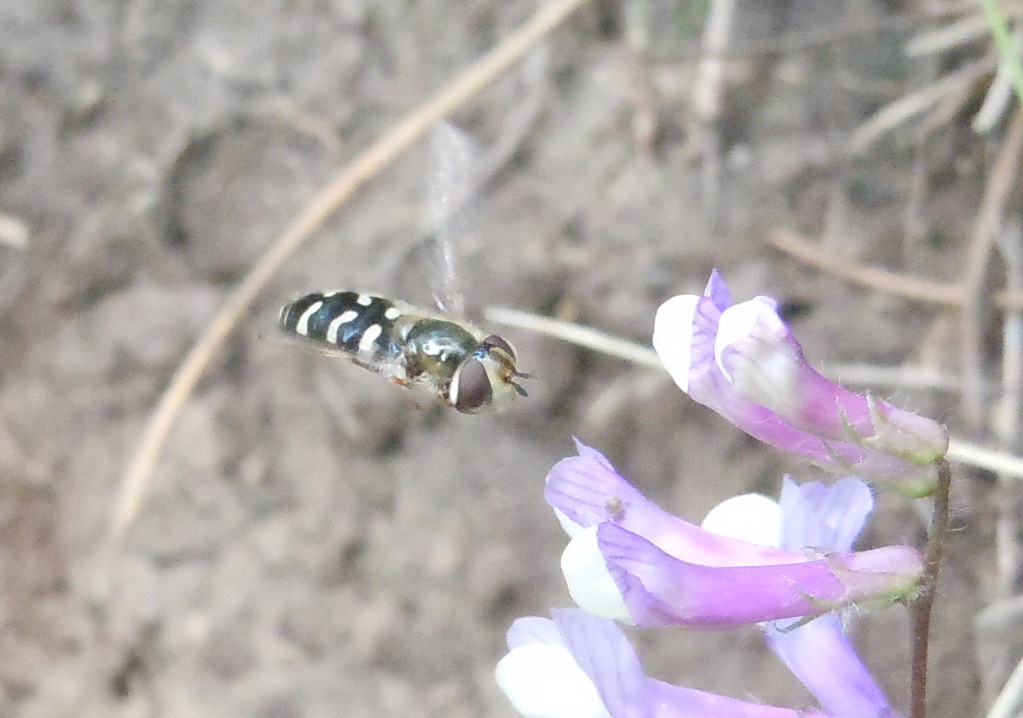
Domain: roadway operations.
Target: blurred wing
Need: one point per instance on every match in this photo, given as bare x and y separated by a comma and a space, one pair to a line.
451, 198
390, 368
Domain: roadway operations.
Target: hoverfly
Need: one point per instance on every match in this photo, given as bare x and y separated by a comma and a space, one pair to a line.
448, 358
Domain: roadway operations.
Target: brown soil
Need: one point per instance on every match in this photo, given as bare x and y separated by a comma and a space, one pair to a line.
313, 543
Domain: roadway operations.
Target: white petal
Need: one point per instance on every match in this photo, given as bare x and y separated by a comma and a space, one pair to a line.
749, 517
753, 319
673, 336
752, 352
589, 582
544, 681
570, 526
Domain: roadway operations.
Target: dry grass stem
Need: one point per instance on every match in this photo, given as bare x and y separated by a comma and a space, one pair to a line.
644, 112
902, 285
1006, 40
1003, 178
895, 378
1005, 422
916, 103
986, 458
977, 25
708, 96
708, 87
1009, 703
810, 38
968, 29
575, 334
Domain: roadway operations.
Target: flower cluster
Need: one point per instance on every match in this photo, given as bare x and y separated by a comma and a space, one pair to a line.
743, 361
788, 566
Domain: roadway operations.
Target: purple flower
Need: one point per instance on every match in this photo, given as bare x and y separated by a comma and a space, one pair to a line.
819, 653
581, 666
631, 561
744, 362
820, 656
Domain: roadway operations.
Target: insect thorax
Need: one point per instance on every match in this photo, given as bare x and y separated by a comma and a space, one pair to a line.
437, 347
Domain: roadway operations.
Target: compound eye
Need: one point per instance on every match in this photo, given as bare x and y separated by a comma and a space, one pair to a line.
470, 387
497, 342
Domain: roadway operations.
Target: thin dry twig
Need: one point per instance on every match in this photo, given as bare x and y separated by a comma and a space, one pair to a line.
708, 87
575, 334
378, 156
902, 285
982, 457
980, 22
708, 95
895, 378
915, 103
915, 225
956, 34
1005, 421
811, 38
644, 114
1003, 177
999, 95
1010, 700
1006, 42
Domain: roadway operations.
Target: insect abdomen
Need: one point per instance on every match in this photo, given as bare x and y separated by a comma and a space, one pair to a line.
359, 324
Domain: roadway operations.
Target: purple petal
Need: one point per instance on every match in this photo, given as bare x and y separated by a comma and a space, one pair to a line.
717, 291
675, 702
607, 658
820, 656
826, 518
764, 363
705, 379
533, 629
661, 590
588, 490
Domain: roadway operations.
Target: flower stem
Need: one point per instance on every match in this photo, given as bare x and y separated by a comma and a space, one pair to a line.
921, 609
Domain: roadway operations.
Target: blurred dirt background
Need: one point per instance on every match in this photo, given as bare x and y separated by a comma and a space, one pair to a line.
313, 543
